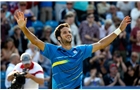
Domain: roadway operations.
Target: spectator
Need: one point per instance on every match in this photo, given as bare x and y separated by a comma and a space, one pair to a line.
99, 62
33, 51
104, 29
93, 79
27, 13
46, 34
114, 12
133, 60
34, 76
7, 51
120, 44
135, 13
69, 8
129, 76
5, 26
89, 30
135, 38
90, 10
59, 5
113, 78
46, 11
125, 7
118, 60
14, 60
19, 40
103, 8
8, 14
80, 8
137, 80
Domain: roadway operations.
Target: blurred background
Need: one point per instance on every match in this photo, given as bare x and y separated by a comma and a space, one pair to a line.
116, 65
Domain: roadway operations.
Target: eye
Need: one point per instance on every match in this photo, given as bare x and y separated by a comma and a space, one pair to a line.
70, 32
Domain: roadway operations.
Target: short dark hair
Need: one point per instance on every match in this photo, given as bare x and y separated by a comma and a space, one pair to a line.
58, 29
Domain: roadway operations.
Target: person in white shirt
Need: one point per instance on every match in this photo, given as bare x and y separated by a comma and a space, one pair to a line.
93, 80
14, 59
33, 51
34, 76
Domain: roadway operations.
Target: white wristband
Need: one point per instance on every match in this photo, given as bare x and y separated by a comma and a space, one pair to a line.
117, 31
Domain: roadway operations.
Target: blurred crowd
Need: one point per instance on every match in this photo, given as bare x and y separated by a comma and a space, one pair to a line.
116, 65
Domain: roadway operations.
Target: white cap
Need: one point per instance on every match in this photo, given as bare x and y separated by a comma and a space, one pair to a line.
25, 58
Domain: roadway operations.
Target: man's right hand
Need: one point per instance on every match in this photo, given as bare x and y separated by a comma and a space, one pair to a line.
21, 20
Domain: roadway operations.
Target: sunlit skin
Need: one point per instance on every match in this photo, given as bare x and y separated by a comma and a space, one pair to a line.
65, 36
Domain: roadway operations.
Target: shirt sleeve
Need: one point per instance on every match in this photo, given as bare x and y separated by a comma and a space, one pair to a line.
87, 50
48, 51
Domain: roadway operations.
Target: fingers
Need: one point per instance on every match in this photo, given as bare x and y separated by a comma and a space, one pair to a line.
26, 20
16, 17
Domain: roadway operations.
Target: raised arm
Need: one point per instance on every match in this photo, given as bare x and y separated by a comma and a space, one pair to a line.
21, 20
108, 39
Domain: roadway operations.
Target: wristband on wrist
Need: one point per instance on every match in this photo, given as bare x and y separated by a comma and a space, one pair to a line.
117, 31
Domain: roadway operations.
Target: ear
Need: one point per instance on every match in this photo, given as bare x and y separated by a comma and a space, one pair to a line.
59, 38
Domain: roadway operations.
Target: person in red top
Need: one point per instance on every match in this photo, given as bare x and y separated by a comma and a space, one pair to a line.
135, 38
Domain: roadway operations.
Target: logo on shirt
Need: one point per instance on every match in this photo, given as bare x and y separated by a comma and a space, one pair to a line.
74, 51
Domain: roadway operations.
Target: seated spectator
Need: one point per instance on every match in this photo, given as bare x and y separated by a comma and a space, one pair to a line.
27, 12
113, 12
118, 60
93, 79
137, 79
89, 30
45, 37
8, 14
103, 8
135, 13
19, 40
7, 50
90, 9
113, 78
99, 62
104, 29
5, 26
125, 7
33, 51
129, 76
69, 8
135, 37
133, 60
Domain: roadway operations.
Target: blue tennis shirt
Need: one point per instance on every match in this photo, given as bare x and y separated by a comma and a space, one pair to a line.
67, 65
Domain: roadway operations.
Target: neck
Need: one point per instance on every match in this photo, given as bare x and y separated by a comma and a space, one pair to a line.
67, 46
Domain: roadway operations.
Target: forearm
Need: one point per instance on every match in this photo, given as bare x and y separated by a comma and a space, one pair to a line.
38, 80
112, 84
121, 82
107, 40
124, 67
10, 77
29, 35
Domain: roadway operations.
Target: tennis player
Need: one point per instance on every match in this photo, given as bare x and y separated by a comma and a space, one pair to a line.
67, 60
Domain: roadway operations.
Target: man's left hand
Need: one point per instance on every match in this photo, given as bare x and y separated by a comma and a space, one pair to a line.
124, 23
28, 75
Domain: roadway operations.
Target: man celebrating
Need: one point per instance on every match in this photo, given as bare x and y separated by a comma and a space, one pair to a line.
67, 60
34, 75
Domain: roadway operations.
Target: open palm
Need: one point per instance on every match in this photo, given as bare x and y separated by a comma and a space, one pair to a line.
21, 20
